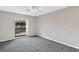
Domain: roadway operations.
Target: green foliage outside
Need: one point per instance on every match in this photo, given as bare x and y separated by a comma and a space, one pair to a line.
20, 25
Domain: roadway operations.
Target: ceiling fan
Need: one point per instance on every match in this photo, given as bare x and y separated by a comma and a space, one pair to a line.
33, 9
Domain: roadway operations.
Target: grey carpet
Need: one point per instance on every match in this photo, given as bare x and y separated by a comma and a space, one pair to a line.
34, 44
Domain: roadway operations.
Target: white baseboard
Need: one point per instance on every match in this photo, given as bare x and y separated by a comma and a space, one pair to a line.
59, 42
2, 40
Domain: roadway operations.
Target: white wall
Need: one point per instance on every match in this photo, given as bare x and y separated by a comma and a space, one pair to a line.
7, 25
30, 31
0, 27
61, 26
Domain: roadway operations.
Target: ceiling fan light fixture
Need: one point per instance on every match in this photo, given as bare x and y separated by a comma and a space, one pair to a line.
33, 9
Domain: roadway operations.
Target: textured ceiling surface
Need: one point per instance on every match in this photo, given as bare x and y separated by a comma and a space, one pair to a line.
27, 10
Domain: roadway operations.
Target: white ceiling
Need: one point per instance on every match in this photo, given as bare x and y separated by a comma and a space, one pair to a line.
23, 9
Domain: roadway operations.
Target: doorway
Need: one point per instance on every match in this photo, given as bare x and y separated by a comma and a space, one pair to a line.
20, 27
